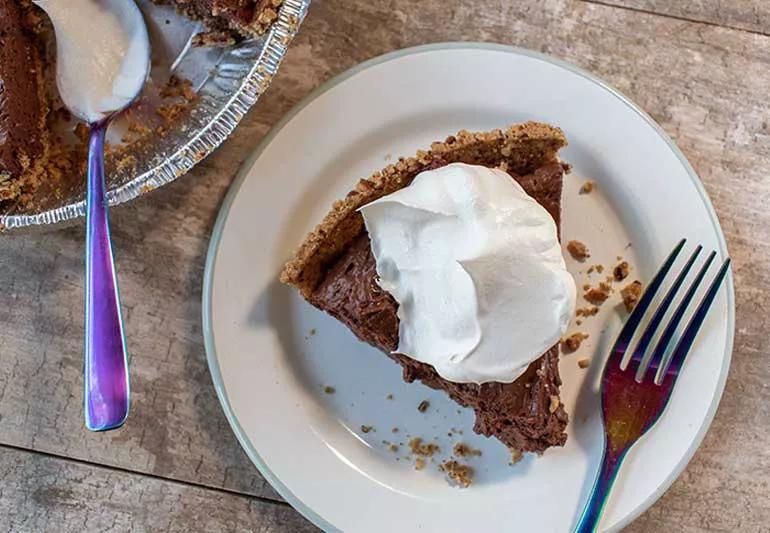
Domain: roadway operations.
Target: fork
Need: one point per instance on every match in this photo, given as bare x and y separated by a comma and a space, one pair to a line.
634, 396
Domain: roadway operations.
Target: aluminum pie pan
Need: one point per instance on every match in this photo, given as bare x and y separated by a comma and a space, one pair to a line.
235, 79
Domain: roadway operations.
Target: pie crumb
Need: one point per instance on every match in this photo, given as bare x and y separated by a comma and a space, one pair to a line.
460, 474
587, 311
516, 456
597, 295
169, 114
599, 268
631, 294
584, 363
136, 130
367, 429
393, 448
587, 187
389, 397
419, 463
463, 450
573, 342
394, 430
578, 250
423, 406
554, 405
212, 39
126, 162
427, 449
329, 390
177, 87
620, 272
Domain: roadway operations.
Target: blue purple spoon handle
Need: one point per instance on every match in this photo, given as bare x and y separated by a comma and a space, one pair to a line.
106, 358
102, 64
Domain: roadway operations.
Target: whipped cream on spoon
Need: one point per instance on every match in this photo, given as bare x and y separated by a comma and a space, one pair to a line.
103, 60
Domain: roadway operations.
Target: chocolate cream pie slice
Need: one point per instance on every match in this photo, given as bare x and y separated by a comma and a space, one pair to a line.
336, 270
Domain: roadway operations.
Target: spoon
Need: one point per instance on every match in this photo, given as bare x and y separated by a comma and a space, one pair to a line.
103, 60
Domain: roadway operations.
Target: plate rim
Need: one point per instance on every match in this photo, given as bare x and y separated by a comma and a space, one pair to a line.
224, 211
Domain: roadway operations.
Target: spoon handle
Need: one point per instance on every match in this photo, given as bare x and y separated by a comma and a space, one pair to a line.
106, 358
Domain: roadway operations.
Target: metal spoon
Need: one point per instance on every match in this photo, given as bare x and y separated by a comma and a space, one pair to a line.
103, 60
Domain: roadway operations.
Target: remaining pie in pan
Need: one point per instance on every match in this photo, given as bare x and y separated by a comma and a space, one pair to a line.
24, 101
28, 102
231, 18
335, 270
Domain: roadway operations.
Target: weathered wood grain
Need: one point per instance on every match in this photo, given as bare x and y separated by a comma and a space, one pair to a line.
176, 428
40, 494
706, 85
751, 15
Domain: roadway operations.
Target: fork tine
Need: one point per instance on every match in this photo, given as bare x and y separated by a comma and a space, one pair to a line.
681, 309
629, 328
649, 332
689, 334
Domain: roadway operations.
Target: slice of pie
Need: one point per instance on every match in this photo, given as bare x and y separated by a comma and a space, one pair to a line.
334, 269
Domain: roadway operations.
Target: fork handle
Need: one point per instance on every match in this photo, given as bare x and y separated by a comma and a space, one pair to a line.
592, 513
106, 372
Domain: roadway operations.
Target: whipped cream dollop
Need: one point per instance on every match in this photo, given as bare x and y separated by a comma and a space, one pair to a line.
476, 267
102, 54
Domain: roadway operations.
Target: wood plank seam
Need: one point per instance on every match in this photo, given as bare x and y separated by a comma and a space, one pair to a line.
675, 17
127, 471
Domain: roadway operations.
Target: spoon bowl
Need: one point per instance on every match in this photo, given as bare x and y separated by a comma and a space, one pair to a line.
102, 55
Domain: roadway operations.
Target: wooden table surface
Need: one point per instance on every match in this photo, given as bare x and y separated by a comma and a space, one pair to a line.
701, 68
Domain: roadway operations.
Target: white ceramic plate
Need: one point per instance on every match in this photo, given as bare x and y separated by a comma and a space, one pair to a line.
271, 354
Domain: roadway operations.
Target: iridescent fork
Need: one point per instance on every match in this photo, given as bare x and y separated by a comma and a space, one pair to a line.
635, 395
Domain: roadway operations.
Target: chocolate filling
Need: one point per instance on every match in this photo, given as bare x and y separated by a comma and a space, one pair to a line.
519, 413
22, 112
245, 17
